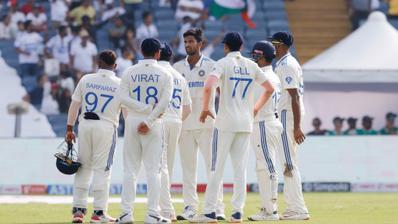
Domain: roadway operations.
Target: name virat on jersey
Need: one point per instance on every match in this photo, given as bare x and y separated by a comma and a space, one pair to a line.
145, 78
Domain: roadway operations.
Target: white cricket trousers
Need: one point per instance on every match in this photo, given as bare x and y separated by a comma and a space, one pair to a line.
288, 155
265, 140
96, 141
137, 149
190, 141
237, 145
172, 131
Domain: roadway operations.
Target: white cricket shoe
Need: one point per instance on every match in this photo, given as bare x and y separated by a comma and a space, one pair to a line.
169, 215
188, 214
155, 219
125, 218
236, 218
101, 217
204, 218
262, 215
292, 215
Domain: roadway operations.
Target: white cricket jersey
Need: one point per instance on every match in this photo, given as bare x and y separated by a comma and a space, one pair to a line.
180, 95
291, 76
237, 75
146, 89
196, 77
271, 106
98, 94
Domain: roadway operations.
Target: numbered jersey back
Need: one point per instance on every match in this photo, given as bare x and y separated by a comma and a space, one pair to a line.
237, 75
98, 94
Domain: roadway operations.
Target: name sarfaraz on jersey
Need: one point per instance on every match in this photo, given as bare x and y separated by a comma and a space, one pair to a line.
241, 70
100, 87
145, 77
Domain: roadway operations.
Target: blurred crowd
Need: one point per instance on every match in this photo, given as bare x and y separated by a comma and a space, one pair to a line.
55, 52
352, 129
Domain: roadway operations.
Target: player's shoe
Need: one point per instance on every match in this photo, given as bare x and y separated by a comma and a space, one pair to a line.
188, 214
78, 215
204, 218
169, 215
292, 215
125, 218
221, 217
236, 218
155, 219
100, 217
263, 215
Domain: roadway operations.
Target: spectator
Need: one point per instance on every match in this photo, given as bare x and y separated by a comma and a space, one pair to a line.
123, 62
66, 81
29, 47
58, 47
28, 7
82, 55
16, 16
360, 9
390, 128
338, 126
131, 43
190, 8
116, 32
131, 6
86, 9
20, 30
316, 123
187, 23
90, 28
64, 98
5, 28
208, 47
36, 94
367, 127
352, 126
147, 29
49, 105
38, 18
111, 12
59, 11
392, 9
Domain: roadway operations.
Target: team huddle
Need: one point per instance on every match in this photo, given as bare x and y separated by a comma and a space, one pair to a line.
169, 108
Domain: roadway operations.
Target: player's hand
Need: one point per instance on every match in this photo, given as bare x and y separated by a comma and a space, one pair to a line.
70, 137
204, 114
143, 129
255, 112
299, 136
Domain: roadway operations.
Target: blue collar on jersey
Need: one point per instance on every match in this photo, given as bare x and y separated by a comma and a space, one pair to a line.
198, 64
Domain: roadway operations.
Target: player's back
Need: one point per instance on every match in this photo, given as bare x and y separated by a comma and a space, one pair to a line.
98, 94
145, 82
270, 108
237, 75
180, 95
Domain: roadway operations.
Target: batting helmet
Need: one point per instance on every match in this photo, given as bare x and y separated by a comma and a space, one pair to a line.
263, 48
66, 162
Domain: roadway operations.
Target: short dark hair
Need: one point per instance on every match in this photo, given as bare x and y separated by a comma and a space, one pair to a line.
166, 53
27, 23
150, 47
233, 47
108, 57
197, 33
62, 28
146, 14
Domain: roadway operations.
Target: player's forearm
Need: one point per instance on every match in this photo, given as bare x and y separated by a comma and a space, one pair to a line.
186, 110
210, 83
296, 112
263, 100
72, 114
130, 103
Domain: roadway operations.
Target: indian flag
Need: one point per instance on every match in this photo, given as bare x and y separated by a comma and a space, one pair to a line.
221, 8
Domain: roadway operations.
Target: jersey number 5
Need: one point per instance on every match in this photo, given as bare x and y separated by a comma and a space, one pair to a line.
247, 80
92, 101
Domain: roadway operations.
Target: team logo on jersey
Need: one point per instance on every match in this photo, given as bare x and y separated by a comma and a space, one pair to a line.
201, 73
288, 79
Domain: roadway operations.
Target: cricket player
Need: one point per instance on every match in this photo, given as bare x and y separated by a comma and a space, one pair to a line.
291, 111
145, 90
195, 68
178, 109
96, 96
266, 136
236, 76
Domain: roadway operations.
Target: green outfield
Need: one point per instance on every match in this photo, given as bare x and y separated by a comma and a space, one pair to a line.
325, 208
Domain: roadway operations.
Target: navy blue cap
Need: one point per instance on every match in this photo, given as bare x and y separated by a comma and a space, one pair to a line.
264, 48
150, 45
351, 120
233, 39
391, 115
336, 119
282, 38
165, 51
367, 118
